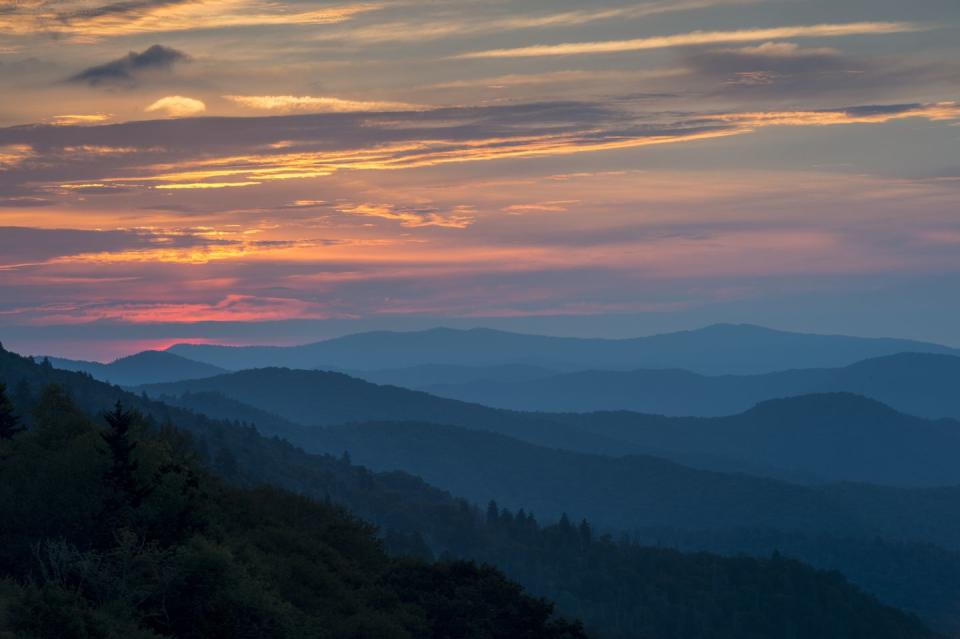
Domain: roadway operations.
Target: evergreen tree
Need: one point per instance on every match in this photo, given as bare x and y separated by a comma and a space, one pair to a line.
586, 533
9, 422
121, 476
493, 513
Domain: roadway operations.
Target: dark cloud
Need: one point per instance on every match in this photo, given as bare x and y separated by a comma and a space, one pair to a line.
780, 69
126, 71
772, 58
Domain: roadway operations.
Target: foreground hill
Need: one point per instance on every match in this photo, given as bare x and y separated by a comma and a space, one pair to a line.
718, 349
148, 367
620, 590
830, 437
142, 543
922, 384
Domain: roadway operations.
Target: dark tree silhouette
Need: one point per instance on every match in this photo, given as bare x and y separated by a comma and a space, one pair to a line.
9, 422
121, 476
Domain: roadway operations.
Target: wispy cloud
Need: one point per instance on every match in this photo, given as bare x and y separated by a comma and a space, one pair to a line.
287, 103
458, 26
80, 119
554, 206
413, 217
210, 154
232, 308
562, 77
77, 20
697, 38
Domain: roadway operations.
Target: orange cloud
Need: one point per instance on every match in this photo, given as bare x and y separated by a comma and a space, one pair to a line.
177, 106
412, 218
941, 111
13, 154
313, 104
80, 119
558, 206
232, 308
406, 155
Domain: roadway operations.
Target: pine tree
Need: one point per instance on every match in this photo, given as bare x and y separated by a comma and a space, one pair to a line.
586, 533
121, 475
9, 422
493, 513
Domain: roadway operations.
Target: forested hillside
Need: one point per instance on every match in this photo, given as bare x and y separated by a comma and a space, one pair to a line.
113, 531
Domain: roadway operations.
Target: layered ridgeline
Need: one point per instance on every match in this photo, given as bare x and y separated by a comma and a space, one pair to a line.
148, 367
620, 590
829, 437
923, 384
636, 492
718, 349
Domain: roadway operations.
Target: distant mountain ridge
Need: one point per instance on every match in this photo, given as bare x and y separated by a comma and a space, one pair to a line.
922, 384
837, 436
147, 367
717, 349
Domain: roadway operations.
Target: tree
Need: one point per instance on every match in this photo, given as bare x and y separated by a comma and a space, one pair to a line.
493, 513
586, 533
121, 476
9, 422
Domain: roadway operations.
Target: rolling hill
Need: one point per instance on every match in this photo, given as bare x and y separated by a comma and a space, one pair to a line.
830, 437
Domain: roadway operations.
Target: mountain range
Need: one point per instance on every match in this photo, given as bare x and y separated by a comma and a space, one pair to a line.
923, 384
772, 596
717, 349
821, 437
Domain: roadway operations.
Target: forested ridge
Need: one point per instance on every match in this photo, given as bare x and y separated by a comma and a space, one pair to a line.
115, 530
807, 438
619, 589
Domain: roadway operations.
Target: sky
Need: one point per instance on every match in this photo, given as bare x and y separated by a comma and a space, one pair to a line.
278, 171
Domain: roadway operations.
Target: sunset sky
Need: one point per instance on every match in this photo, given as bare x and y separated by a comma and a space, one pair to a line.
257, 171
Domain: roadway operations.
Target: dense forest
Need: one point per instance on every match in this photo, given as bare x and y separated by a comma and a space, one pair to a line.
113, 531
620, 589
